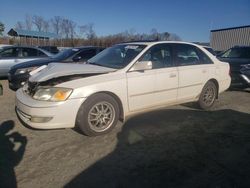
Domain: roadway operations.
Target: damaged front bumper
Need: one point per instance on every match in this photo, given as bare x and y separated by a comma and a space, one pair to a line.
46, 115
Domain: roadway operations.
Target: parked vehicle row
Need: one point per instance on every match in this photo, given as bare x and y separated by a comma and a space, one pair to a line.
19, 74
119, 82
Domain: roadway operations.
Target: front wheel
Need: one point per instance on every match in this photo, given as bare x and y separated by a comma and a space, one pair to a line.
98, 115
208, 96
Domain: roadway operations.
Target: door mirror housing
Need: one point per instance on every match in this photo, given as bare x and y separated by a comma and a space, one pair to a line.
142, 65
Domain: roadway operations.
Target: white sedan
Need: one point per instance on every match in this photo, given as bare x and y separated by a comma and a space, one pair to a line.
121, 81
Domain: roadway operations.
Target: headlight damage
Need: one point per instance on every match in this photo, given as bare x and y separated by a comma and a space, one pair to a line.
53, 94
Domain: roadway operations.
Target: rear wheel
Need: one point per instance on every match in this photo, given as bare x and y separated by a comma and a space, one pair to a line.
98, 114
208, 95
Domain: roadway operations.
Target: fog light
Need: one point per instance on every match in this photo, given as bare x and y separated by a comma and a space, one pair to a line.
40, 119
22, 83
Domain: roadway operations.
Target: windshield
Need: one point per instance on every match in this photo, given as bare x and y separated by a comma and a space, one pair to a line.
236, 53
65, 53
118, 56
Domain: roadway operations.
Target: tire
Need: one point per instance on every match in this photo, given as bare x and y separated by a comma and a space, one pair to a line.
208, 96
98, 115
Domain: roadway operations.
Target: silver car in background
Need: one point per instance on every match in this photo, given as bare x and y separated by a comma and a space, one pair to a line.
12, 55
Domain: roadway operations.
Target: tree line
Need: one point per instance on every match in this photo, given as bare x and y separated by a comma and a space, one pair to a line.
72, 34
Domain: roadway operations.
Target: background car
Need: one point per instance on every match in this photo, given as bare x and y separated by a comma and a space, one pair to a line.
12, 55
19, 74
238, 58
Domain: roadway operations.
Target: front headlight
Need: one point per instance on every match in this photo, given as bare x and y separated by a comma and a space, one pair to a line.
25, 70
52, 94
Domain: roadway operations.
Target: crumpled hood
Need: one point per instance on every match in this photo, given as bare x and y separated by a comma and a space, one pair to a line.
55, 70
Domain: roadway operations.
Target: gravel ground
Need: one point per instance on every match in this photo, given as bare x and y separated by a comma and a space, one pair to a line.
178, 146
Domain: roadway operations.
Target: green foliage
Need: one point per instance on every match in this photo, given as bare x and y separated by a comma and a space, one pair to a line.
1, 28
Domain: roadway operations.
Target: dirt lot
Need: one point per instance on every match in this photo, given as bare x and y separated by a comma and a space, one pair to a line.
175, 147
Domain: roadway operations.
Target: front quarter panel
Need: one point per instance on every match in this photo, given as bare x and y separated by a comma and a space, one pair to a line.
114, 83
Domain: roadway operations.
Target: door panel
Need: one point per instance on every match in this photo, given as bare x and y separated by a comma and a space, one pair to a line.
191, 80
157, 86
141, 88
193, 71
166, 85
5, 65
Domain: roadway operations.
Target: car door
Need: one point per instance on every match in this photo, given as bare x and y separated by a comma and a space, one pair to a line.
191, 69
153, 87
8, 57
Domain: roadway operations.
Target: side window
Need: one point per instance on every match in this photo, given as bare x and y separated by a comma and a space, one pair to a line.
186, 55
85, 55
9, 53
29, 52
160, 55
204, 59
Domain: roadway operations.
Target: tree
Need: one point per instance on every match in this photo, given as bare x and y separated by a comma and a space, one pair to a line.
28, 22
174, 37
65, 28
154, 34
46, 26
72, 26
88, 31
56, 24
1, 28
19, 25
38, 21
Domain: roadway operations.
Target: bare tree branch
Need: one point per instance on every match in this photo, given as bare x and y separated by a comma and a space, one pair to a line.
56, 23
88, 31
38, 22
28, 22
19, 25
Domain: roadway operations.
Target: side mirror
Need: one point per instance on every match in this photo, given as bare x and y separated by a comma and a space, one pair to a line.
76, 58
142, 65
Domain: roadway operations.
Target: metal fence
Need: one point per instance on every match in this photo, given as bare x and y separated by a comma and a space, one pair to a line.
224, 39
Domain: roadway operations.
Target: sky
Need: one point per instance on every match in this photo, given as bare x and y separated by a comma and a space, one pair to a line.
192, 20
